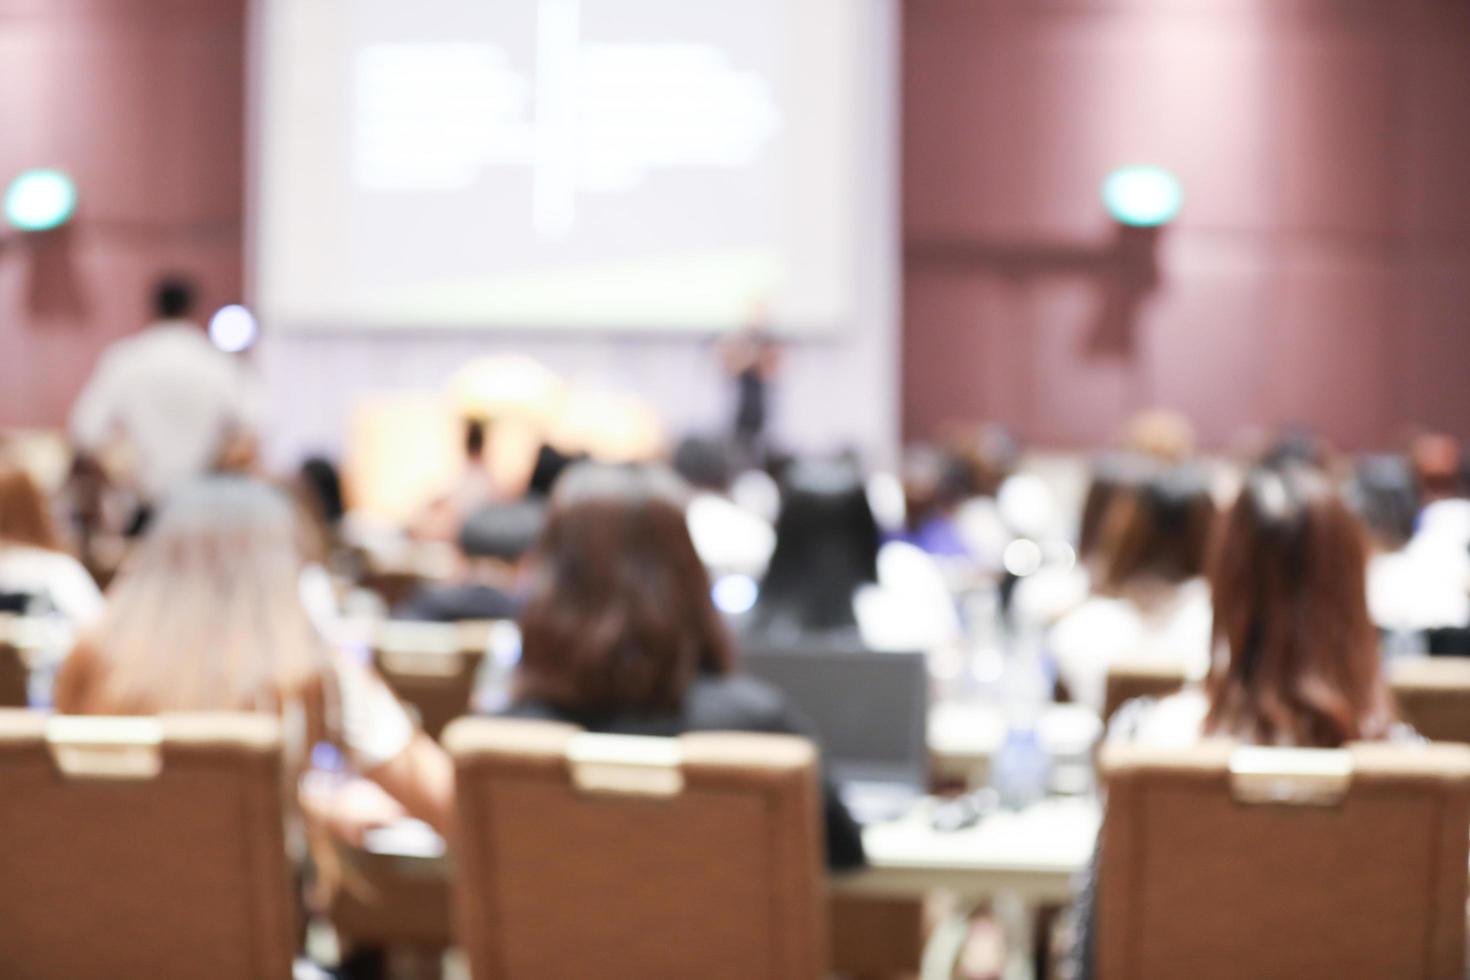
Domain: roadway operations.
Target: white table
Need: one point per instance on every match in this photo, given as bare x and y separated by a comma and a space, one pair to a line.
964, 736
1015, 860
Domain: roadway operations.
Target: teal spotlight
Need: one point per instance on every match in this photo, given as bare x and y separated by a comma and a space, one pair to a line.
39, 200
1142, 196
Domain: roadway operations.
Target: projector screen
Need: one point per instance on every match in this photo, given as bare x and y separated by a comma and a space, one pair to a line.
555, 164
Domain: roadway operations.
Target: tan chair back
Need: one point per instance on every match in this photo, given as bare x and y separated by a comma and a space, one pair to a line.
1128, 680
1433, 695
14, 676
1221, 861
432, 667
142, 847
624, 857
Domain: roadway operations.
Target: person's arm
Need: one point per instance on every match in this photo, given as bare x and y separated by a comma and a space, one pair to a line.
94, 412
844, 837
391, 751
421, 779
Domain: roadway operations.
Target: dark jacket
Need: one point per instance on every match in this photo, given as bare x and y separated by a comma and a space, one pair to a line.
721, 704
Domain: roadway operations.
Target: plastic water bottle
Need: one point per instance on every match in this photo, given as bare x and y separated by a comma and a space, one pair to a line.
1021, 770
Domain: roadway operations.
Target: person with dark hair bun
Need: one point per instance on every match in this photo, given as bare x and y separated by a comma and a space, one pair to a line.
619, 633
1149, 598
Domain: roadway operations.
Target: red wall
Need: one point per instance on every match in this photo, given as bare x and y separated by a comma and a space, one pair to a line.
142, 102
1320, 269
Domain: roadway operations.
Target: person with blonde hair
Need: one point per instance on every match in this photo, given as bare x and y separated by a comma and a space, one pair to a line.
206, 615
36, 573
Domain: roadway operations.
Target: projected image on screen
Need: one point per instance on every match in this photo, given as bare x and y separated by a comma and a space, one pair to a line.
623, 164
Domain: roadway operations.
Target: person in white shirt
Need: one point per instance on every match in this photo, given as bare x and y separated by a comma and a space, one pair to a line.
1150, 601
730, 539
165, 401
36, 575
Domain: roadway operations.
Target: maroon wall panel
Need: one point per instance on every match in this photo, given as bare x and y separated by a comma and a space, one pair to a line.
1320, 270
142, 102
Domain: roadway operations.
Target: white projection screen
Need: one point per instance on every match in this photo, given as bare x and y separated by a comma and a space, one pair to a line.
664, 165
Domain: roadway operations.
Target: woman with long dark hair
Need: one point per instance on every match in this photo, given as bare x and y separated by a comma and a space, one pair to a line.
619, 633
831, 574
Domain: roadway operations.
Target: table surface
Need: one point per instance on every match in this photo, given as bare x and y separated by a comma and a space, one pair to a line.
1036, 852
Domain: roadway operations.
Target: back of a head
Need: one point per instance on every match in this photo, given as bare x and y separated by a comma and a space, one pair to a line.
1160, 434
1384, 493
1158, 530
1114, 475
24, 516
1296, 659
1438, 465
205, 614
503, 531
619, 614
318, 476
704, 463
173, 298
826, 548
550, 464
935, 481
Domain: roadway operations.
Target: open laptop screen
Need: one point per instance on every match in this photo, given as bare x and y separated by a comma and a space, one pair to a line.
870, 709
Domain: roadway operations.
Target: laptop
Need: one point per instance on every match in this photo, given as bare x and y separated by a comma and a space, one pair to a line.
870, 711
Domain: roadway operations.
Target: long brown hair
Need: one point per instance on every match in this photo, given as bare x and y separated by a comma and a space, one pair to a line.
619, 614
1160, 529
1297, 658
24, 518
205, 614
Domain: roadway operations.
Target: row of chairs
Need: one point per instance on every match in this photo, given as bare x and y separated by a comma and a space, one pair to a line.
155, 847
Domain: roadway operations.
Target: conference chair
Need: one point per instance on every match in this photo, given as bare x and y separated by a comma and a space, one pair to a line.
620, 856
1223, 862
14, 671
1138, 679
1433, 695
143, 847
432, 667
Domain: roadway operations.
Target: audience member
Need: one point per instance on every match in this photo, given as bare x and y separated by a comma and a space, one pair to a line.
473, 487
1416, 581
619, 633
36, 575
492, 544
1160, 434
165, 405
1149, 599
935, 486
830, 574
729, 538
1296, 655
1042, 598
206, 616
